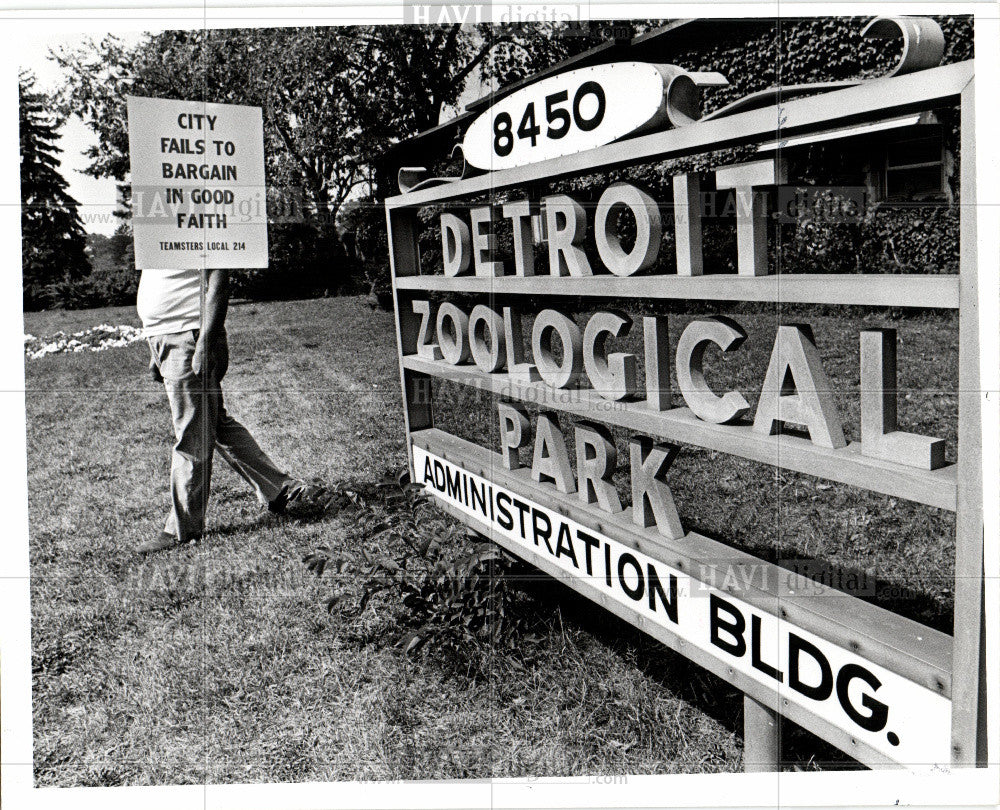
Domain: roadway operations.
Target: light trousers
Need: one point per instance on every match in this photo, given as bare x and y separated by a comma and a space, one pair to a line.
201, 426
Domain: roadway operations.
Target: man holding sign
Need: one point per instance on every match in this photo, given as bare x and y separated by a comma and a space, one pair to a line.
195, 167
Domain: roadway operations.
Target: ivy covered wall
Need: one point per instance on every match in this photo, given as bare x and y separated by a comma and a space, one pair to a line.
901, 236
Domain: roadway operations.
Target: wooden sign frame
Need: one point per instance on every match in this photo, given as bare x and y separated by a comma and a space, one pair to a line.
954, 665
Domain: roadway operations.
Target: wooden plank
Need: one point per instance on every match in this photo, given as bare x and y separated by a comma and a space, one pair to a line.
872, 100
838, 134
969, 708
939, 292
761, 737
900, 645
747, 175
846, 465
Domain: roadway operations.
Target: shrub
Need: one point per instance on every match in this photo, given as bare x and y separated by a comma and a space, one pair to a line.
363, 222
454, 596
306, 259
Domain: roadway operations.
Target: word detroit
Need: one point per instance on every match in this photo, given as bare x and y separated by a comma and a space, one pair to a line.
561, 224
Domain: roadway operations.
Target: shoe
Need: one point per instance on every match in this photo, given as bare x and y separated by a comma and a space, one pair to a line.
162, 543
299, 497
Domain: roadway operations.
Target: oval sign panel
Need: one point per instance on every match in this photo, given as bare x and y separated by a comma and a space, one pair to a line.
565, 114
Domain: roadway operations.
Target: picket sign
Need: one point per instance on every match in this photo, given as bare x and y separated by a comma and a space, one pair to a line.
198, 186
887, 690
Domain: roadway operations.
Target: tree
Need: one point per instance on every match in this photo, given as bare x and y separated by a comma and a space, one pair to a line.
333, 98
113, 279
53, 239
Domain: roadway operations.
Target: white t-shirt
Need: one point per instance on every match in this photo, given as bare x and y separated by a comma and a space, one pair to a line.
169, 301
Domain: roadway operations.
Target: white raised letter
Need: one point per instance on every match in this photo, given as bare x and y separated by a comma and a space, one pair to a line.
704, 404
565, 373
484, 242
656, 339
551, 458
748, 180
517, 369
454, 245
566, 228
596, 460
485, 335
514, 427
879, 436
648, 229
687, 224
454, 346
652, 500
428, 351
519, 214
797, 390
613, 375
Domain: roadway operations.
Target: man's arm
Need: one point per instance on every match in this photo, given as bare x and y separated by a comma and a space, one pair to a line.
213, 319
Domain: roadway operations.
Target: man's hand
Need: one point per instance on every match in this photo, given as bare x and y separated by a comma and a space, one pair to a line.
198, 363
211, 357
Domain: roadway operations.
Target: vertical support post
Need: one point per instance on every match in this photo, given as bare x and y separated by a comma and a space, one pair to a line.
687, 224
968, 706
404, 260
761, 737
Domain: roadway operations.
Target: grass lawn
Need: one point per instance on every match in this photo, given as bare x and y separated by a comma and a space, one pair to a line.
217, 662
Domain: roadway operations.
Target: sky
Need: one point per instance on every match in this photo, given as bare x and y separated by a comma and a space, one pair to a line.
97, 197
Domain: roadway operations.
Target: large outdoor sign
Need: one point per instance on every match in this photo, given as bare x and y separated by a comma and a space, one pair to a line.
198, 187
883, 688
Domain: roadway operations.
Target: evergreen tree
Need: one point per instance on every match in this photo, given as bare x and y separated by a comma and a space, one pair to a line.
53, 240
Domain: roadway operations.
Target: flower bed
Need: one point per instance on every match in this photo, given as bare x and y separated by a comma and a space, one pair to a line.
96, 339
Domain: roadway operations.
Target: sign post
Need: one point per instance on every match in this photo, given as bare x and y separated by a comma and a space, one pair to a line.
761, 737
198, 186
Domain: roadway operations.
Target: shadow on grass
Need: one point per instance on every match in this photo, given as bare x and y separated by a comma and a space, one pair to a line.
702, 690
551, 606
852, 581
267, 520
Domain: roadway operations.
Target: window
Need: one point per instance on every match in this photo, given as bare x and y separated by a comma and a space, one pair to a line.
914, 168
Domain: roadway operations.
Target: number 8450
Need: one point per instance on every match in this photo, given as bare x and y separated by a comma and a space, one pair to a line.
558, 118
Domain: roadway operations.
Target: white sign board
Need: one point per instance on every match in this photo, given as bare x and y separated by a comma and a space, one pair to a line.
198, 187
583, 109
565, 114
903, 720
